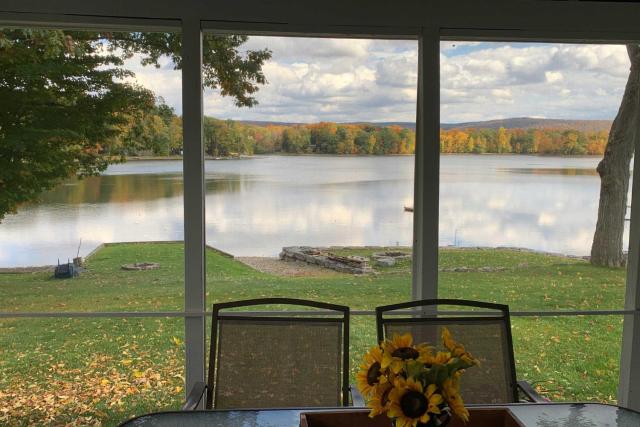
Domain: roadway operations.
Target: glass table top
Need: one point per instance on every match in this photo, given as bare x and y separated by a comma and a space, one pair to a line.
531, 415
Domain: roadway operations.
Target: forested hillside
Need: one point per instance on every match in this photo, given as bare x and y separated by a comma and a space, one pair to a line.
159, 133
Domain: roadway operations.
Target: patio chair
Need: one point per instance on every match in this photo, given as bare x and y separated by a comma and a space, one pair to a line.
485, 331
276, 360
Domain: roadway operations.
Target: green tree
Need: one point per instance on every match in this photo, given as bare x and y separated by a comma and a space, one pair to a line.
365, 141
295, 140
480, 146
66, 107
63, 106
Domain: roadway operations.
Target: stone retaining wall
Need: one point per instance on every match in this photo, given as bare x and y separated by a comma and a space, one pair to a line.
323, 258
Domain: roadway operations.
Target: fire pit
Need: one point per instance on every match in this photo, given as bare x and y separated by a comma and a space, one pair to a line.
141, 266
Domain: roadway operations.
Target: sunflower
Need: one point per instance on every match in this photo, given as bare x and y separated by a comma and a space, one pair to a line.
457, 349
400, 348
440, 358
435, 399
409, 403
371, 373
451, 391
379, 402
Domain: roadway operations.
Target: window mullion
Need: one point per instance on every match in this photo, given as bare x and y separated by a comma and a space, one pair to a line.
193, 170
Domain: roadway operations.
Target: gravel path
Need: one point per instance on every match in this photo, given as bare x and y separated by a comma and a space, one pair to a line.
278, 267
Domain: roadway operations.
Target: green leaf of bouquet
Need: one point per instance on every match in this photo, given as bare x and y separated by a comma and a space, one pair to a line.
414, 368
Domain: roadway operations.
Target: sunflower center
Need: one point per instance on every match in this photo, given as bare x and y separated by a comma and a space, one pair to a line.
373, 373
414, 404
405, 353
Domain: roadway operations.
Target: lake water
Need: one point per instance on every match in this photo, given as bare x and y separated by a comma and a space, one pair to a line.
256, 206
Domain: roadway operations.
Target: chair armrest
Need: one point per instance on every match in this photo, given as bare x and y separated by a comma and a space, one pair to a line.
194, 397
356, 398
530, 393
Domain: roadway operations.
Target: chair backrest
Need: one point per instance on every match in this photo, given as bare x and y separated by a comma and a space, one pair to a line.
288, 359
483, 328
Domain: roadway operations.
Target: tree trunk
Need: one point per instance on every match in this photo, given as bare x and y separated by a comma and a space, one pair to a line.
614, 171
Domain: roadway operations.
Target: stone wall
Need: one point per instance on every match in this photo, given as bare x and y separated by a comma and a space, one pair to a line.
324, 258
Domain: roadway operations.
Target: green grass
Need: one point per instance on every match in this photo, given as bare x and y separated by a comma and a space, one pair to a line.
53, 371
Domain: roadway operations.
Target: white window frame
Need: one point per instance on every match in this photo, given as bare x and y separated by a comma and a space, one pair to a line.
613, 23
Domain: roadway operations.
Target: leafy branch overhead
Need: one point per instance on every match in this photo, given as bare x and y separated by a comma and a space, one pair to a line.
68, 107
224, 67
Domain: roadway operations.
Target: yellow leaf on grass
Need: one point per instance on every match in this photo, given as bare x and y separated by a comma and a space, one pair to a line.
176, 340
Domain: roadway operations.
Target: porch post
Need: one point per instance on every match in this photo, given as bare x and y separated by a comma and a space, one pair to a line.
427, 169
629, 386
193, 173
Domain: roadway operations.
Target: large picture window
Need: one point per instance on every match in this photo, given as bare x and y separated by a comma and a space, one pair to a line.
521, 140
150, 169
308, 191
91, 225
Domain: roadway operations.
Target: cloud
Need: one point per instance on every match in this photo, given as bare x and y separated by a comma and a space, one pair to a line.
331, 79
292, 49
553, 76
314, 79
591, 80
164, 81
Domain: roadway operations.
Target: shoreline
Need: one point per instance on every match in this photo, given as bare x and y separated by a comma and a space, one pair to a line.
252, 156
45, 268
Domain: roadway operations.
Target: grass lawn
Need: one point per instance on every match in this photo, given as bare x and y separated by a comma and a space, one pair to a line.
101, 371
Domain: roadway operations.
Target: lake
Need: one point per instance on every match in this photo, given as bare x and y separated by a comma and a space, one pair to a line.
255, 206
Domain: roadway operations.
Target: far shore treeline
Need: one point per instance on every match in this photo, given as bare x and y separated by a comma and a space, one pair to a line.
159, 133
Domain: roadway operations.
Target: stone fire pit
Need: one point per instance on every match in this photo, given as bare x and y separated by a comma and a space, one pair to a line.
141, 266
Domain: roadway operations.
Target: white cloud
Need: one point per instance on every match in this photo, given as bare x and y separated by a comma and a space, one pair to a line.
502, 93
311, 79
553, 76
532, 73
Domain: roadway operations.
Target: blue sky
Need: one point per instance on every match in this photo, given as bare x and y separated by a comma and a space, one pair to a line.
346, 80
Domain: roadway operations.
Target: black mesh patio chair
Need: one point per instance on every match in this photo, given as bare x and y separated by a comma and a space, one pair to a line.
485, 331
267, 360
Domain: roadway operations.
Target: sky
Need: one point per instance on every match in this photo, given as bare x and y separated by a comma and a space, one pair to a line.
349, 80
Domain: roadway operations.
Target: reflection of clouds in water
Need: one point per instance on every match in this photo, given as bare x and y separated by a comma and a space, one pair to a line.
55, 233
273, 216
486, 204
254, 207
496, 203
555, 214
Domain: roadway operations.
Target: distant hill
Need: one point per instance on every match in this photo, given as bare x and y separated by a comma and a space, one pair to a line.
532, 123
513, 123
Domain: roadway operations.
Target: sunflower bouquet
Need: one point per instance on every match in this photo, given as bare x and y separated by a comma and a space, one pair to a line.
413, 384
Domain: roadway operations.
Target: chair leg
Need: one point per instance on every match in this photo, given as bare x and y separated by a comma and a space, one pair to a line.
530, 393
195, 397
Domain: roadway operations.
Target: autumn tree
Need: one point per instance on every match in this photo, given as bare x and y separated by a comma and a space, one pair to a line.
504, 143
613, 169
65, 102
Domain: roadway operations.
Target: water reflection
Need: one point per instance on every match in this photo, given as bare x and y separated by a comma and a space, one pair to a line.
115, 189
551, 171
256, 206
